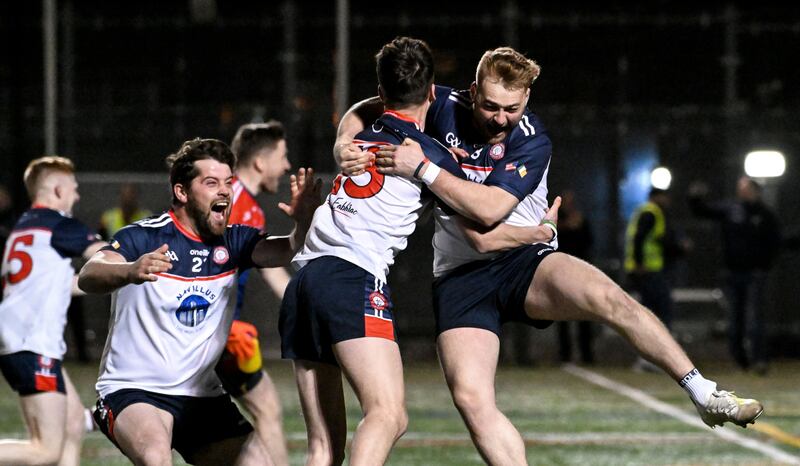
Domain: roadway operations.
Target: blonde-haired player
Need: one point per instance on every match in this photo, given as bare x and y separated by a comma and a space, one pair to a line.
38, 280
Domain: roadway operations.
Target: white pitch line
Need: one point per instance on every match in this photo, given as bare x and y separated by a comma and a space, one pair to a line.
692, 420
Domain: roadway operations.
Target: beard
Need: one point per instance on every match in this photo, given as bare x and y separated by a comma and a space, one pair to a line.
207, 221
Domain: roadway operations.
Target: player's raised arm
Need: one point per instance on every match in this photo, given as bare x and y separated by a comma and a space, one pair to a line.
277, 251
108, 270
486, 205
350, 158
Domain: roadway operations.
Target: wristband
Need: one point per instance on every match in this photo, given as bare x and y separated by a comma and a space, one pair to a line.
419, 167
552, 225
431, 173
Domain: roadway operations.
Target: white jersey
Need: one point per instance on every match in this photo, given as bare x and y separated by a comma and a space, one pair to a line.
166, 336
366, 220
37, 279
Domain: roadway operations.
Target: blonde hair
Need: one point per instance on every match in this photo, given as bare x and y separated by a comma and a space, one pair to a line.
509, 66
38, 168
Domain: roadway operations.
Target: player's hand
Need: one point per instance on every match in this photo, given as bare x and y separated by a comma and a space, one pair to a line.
459, 154
401, 160
354, 161
241, 340
148, 265
552, 211
305, 189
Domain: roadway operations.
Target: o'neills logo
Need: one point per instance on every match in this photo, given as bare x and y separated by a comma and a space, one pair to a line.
378, 301
220, 255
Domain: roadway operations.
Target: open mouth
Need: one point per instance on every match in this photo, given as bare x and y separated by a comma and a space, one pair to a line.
219, 208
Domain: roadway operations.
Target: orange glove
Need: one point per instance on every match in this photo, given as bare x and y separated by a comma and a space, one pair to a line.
243, 344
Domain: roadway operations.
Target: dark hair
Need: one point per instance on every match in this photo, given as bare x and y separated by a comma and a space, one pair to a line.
405, 71
182, 169
253, 137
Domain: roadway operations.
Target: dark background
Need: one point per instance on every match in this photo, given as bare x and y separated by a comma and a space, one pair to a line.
690, 87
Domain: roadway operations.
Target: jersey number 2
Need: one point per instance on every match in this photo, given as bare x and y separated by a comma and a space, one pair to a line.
22, 256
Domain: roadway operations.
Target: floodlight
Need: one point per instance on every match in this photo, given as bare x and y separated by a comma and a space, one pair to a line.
764, 164
661, 178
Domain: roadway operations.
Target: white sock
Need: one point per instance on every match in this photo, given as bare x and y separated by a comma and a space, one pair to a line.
88, 420
698, 387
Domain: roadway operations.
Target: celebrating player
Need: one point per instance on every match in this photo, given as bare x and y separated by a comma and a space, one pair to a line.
38, 280
507, 152
261, 161
172, 279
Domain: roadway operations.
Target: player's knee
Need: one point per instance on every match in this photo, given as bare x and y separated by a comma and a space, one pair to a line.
155, 456
615, 305
470, 401
46, 453
393, 417
76, 427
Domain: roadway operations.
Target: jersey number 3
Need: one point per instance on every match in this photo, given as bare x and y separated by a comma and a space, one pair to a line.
15, 253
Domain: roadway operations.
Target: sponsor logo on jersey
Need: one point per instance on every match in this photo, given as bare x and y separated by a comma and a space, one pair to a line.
343, 206
173, 256
497, 151
199, 252
220, 255
192, 310
476, 154
451, 139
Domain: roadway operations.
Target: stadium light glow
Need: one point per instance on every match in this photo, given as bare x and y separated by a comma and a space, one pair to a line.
764, 164
661, 178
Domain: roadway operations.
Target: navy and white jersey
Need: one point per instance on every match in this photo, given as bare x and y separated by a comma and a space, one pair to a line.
366, 219
518, 165
166, 336
37, 278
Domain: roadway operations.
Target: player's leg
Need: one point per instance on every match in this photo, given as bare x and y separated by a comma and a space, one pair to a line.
263, 403
45, 415
374, 369
144, 434
322, 401
75, 425
245, 450
567, 288
469, 361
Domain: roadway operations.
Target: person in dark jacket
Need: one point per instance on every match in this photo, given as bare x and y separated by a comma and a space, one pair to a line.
751, 240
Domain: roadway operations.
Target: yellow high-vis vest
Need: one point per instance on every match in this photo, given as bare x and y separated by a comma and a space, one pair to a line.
653, 248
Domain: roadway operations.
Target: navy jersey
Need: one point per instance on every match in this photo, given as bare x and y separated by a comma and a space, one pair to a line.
37, 278
366, 219
518, 165
166, 336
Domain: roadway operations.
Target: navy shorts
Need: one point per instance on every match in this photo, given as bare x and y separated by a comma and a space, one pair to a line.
30, 373
198, 422
485, 294
329, 301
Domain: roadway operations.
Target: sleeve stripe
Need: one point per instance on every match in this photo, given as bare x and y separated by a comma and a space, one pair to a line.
526, 126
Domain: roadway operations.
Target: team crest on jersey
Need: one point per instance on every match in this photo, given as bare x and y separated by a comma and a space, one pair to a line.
497, 151
192, 311
220, 255
378, 301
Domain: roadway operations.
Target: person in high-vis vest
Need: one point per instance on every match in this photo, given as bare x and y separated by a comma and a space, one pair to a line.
645, 246
127, 212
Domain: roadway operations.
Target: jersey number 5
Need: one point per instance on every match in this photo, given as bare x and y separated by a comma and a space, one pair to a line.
23, 257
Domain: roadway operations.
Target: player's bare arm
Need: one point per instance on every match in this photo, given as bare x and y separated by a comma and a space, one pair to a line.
278, 251
503, 236
486, 205
350, 158
108, 270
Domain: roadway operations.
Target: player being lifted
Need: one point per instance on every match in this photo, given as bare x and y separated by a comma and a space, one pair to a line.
260, 150
507, 151
337, 314
38, 279
173, 278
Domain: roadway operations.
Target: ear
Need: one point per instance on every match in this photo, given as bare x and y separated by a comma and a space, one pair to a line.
432, 93
181, 193
473, 90
57, 191
527, 96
